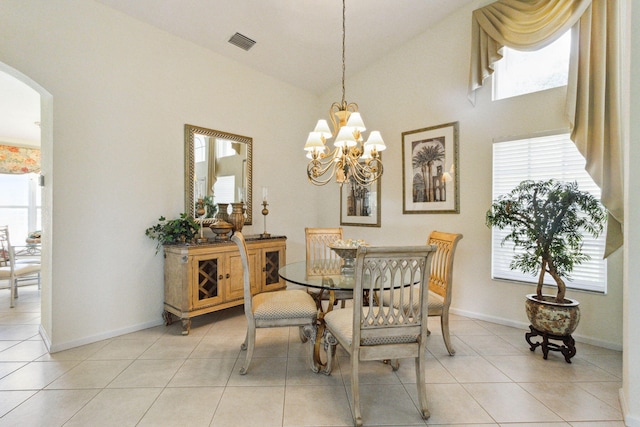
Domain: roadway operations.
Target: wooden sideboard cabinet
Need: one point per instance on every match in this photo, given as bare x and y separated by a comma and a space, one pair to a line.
202, 278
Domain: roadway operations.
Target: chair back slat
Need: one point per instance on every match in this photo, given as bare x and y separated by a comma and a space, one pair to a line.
321, 260
440, 279
401, 273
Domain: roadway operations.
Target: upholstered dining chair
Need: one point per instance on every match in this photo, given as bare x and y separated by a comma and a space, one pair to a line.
371, 332
440, 282
274, 309
321, 260
12, 270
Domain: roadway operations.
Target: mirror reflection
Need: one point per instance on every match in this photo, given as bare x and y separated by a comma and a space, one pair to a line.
217, 170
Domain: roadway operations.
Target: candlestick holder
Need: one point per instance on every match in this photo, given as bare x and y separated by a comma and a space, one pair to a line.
200, 213
265, 212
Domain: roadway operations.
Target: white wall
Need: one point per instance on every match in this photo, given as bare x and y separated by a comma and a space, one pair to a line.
423, 84
122, 93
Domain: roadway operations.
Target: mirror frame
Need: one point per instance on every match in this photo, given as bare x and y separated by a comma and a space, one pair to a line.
189, 168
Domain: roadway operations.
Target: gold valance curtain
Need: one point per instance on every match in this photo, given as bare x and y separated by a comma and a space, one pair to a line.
18, 160
594, 95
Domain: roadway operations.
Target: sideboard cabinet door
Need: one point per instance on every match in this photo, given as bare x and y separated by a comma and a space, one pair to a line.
271, 261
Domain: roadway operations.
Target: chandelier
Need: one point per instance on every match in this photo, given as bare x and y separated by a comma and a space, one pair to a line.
351, 159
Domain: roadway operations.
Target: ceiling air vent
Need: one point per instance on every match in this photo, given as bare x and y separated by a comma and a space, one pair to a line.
243, 42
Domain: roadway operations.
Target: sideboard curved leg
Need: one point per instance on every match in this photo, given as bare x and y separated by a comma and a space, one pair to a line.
186, 326
167, 317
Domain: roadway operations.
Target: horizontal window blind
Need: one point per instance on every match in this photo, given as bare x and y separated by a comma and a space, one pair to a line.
543, 158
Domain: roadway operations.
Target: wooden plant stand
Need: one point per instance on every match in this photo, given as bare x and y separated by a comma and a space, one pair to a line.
568, 350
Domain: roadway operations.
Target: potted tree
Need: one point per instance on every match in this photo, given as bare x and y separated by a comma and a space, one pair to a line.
177, 230
547, 220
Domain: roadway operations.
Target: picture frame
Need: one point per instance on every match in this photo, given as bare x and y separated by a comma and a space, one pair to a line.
360, 204
430, 154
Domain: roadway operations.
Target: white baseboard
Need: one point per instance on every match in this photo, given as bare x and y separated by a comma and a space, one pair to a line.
45, 338
525, 325
99, 337
629, 421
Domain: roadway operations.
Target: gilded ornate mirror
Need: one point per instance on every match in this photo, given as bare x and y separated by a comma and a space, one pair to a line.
217, 169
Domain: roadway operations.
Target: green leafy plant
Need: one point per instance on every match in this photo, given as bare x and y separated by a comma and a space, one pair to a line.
211, 208
178, 230
547, 219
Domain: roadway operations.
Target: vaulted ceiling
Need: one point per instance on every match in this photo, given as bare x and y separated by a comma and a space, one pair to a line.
297, 41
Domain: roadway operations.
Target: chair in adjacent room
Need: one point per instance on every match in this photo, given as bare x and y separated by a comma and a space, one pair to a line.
370, 332
11, 269
274, 309
440, 282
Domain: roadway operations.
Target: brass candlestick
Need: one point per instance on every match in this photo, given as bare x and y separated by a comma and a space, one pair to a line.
265, 212
200, 213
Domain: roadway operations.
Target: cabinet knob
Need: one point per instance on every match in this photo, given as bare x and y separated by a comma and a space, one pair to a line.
228, 275
220, 277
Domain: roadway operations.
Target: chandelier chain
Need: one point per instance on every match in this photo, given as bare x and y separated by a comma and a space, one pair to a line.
344, 30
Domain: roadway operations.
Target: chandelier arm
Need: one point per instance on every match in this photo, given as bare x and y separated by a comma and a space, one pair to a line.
320, 166
362, 173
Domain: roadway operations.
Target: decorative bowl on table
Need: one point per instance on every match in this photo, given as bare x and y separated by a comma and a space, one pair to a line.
347, 249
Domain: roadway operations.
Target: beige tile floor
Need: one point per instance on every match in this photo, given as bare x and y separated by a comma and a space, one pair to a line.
157, 377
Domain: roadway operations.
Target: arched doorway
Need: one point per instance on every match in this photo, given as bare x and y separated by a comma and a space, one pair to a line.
46, 146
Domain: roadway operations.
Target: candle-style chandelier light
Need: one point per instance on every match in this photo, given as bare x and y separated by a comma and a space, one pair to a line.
351, 158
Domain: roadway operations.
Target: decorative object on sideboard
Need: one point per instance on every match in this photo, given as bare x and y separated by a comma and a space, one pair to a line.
546, 220
265, 211
223, 212
351, 158
172, 231
221, 229
236, 218
201, 212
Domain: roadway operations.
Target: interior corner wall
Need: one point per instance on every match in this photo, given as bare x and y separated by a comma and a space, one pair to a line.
422, 84
630, 392
122, 92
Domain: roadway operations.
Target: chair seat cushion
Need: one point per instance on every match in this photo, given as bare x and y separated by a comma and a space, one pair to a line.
294, 304
19, 270
340, 323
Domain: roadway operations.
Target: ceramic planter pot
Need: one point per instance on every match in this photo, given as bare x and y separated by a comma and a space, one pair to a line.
552, 317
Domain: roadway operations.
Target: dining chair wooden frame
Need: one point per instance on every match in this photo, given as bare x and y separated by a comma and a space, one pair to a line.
440, 281
321, 260
11, 267
275, 309
371, 332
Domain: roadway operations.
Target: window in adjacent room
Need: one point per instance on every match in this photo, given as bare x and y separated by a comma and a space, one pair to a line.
20, 205
520, 72
541, 158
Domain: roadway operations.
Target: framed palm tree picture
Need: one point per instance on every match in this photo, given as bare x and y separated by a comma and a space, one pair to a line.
430, 179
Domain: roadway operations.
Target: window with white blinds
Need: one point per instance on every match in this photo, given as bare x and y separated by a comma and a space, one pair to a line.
543, 158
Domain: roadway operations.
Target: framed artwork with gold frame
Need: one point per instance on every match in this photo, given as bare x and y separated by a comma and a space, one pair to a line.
430, 178
360, 204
